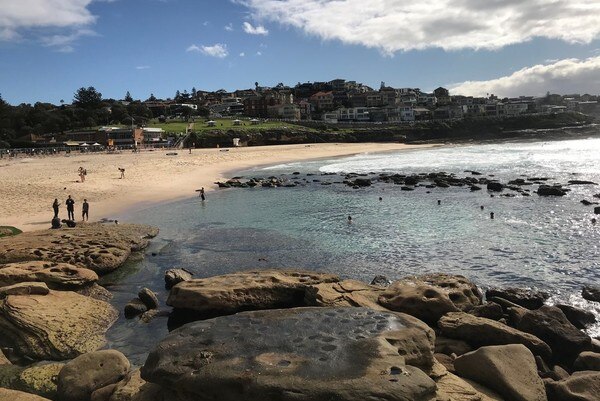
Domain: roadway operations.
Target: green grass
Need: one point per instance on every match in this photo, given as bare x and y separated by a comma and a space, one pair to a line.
8, 231
222, 124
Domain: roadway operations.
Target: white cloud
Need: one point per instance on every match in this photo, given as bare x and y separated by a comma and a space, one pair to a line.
64, 43
563, 76
242, 54
229, 27
142, 67
392, 25
254, 30
217, 50
259, 53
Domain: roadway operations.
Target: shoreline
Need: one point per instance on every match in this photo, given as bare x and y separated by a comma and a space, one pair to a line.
31, 184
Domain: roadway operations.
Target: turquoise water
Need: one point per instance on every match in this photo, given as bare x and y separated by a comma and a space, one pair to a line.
544, 243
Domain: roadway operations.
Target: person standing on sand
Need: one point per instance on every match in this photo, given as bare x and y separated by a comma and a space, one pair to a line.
85, 209
82, 174
202, 194
55, 206
122, 170
70, 208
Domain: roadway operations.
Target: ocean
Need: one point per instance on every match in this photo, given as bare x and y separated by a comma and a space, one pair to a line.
546, 243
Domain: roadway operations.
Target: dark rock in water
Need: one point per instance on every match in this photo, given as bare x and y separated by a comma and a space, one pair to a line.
495, 186
296, 173
587, 361
441, 184
310, 354
411, 180
148, 298
381, 281
476, 173
223, 185
56, 223
554, 190
596, 196
404, 188
362, 182
475, 188
552, 326
176, 276
89, 372
134, 308
591, 293
526, 298
597, 210
538, 179
586, 202
582, 182
580, 318
581, 386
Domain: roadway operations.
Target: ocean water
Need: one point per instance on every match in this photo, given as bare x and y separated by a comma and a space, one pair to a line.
546, 243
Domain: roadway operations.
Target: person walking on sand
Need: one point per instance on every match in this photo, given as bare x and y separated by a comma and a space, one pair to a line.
82, 174
70, 208
55, 206
85, 209
202, 194
122, 170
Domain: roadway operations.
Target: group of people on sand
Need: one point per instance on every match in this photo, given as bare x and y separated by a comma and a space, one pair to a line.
70, 202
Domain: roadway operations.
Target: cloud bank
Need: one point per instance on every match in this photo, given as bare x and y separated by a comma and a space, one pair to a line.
217, 50
254, 30
563, 77
392, 25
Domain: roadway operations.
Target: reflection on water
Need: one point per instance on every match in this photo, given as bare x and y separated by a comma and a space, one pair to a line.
547, 243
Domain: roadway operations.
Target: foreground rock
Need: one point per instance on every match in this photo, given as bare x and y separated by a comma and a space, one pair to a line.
24, 289
453, 388
480, 331
250, 290
508, 369
13, 395
57, 326
581, 386
587, 361
99, 247
55, 275
297, 354
347, 293
90, 372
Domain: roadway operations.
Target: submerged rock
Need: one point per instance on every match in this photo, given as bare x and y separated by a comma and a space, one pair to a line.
148, 297
297, 354
176, 276
554, 190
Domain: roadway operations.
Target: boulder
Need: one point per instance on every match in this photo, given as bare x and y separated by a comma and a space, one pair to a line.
587, 361
133, 388
249, 290
134, 308
99, 247
24, 289
453, 388
57, 326
148, 298
578, 317
362, 182
591, 293
524, 297
40, 379
3, 359
449, 346
381, 281
90, 372
345, 293
296, 354
430, 297
551, 190
13, 395
95, 291
495, 186
489, 310
176, 276
55, 275
581, 386
597, 210
551, 325
480, 331
508, 369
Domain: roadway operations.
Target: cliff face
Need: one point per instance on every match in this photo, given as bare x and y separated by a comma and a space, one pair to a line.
468, 129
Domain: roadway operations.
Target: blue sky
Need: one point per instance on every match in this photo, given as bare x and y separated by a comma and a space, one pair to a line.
49, 48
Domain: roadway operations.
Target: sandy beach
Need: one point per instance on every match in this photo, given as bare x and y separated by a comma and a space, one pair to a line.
30, 185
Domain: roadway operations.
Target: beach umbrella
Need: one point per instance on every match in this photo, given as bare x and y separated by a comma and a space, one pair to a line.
96, 144
84, 144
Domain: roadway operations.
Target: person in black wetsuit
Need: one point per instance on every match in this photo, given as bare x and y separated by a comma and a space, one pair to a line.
55, 206
85, 209
70, 208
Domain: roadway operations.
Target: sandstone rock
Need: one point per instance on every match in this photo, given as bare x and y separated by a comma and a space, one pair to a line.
508, 369
249, 290
551, 325
40, 380
344, 294
587, 361
24, 289
479, 331
295, 354
134, 308
13, 395
581, 386
524, 297
89, 372
95, 291
381, 281
591, 293
57, 326
490, 310
3, 359
176, 276
461, 291
451, 346
453, 388
578, 317
55, 275
134, 388
148, 298
99, 247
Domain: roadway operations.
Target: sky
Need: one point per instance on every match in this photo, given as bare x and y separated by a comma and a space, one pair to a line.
50, 48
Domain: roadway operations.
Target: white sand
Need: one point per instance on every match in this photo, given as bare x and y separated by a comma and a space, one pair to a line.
29, 185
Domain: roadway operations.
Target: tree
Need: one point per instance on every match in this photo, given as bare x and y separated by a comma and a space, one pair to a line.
88, 98
128, 97
152, 98
177, 95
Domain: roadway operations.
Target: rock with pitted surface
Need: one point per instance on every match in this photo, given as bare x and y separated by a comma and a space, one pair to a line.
508, 369
55, 275
591, 293
13, 395
24, 289
249, 290
40, 379
581, 386
99, 247
578, 317
429, 297
344, 294
90, 372
57, 326
587, 361
305, 354
552, 326
480, 331
524, 297
176, 276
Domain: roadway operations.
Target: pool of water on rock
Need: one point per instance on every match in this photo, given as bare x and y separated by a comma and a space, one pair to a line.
546, 243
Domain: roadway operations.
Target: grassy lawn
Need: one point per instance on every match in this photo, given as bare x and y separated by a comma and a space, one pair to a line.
7, 231
221, 124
